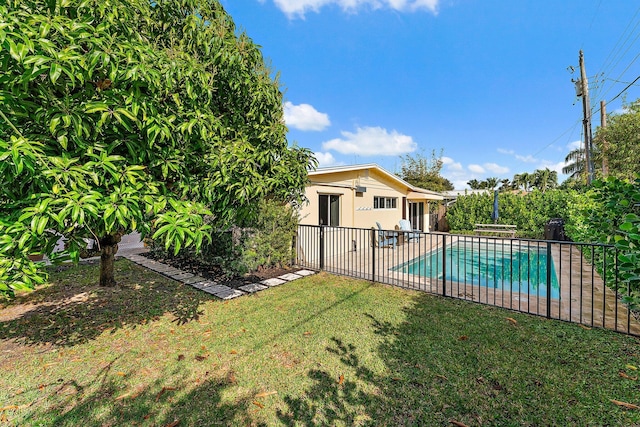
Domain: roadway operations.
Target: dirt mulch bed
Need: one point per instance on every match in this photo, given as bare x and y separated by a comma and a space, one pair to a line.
215, 273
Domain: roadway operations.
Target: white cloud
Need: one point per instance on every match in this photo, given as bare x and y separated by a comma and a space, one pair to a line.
496, 168
456, 173
325, 159
538, 163
459, 175
305, 117
298, 8
557, 166
527, 159
476, 168
370, 141
451, 165
459, 184
505, 151
573, 145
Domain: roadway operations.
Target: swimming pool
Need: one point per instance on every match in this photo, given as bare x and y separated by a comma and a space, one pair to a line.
508, 266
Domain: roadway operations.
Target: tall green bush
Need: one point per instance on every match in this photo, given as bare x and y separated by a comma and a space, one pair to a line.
529, 212
578, 226
610, 215
260, 242
268, 240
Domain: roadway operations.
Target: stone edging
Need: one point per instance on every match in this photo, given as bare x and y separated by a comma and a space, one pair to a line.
220, 291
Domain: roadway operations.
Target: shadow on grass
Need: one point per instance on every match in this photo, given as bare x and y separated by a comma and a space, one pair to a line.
362, 396
453, 362
73, 310
331, 401
112, 403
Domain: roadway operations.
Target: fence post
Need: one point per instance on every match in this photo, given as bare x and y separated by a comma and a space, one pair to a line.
373, 255
294, 247
548, 280
444, 265
322, 247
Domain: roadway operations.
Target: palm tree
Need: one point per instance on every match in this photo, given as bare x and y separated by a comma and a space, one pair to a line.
553, 179
575, 163
545, 179
523, 180
474, 184
491, 183
505, 185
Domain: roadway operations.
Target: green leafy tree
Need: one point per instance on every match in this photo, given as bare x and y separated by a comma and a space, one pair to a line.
132, 115
424, 172
529, 212
487, 184
619, 143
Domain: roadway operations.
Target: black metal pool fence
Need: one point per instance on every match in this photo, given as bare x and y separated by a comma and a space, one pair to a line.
573, 282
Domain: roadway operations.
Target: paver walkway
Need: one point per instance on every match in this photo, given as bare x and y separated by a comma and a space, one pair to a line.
221, 291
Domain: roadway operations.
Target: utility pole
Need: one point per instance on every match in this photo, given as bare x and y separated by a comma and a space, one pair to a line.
586, 108
603, 124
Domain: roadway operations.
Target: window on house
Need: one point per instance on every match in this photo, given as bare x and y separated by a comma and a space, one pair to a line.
329, 209
385, 202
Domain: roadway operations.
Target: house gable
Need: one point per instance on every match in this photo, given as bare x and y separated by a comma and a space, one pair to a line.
362, 195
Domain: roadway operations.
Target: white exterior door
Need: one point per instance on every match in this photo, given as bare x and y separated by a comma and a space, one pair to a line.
416, 215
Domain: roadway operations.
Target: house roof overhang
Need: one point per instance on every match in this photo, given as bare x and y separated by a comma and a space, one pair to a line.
413, 193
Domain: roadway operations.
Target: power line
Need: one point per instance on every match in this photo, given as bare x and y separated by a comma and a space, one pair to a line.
593, 18
618, 81
571, 129
624, 71
623, 90
615, 56
616, 47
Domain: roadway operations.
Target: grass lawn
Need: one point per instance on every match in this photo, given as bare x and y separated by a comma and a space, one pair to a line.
322, 350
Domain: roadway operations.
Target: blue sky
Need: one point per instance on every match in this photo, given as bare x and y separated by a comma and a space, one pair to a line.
486, 81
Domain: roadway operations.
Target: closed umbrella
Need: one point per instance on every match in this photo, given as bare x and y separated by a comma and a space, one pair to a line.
494, 214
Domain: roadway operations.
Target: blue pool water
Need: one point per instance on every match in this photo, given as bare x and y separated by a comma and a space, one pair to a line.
503, 266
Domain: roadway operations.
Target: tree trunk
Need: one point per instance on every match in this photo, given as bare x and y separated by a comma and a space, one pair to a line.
109, 246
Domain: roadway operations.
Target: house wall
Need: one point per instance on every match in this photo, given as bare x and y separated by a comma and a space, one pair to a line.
355, 211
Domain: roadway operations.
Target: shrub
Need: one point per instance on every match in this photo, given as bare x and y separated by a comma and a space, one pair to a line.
529, 212
578, 227
263, 241
267, 242
610, 216
260, 243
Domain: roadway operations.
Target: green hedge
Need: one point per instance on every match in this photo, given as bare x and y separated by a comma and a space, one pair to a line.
529, 212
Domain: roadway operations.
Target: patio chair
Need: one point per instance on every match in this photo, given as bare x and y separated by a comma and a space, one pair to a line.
386, 238
409, 234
